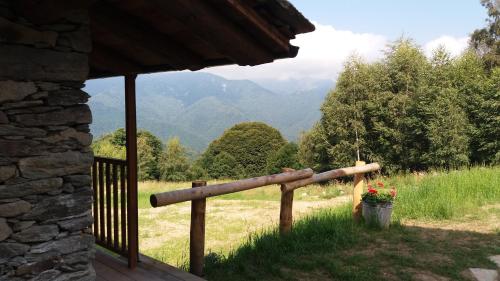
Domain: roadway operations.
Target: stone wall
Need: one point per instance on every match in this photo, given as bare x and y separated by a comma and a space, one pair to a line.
45, 156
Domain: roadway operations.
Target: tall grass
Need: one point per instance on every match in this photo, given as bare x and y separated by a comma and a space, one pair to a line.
446, 195
329, 242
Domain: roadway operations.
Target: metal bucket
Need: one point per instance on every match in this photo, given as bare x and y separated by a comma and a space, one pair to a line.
377, 214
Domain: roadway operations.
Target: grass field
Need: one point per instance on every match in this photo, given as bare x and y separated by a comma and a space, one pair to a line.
443, 223
164, 231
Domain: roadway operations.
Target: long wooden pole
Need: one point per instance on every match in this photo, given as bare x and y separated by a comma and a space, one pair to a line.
329, 175
131, 140
356, 194
176, 196
197, 233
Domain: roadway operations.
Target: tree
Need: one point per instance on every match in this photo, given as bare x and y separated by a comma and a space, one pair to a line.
486, 41
225, 166
285, 157
174, 164
408, 113
250, 144
149, 148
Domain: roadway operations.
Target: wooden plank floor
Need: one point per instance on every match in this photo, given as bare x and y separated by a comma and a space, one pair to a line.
111, 268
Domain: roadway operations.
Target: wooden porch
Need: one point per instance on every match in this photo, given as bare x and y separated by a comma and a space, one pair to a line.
111, 267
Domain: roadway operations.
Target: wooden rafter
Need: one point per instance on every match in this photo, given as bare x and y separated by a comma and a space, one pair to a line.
111, 26
107, 60
244, 13
201, 19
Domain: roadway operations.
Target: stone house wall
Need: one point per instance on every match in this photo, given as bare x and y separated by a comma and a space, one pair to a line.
45, 155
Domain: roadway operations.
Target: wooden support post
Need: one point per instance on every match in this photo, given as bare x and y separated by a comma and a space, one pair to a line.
286, 207
197, 233
356, 195
131, 140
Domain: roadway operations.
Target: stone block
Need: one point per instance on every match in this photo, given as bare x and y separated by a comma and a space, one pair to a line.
5, 230
76, 223
27, 63
7, 172
66, 245
20, 34
9, 130
13, 90
3, 118
37, 233
14, 209
21, 104
67, 97
60, 207
78, 180
9, 250
22, 147
21, 225
72, 115
78, 40
30, 188
56, 164
84, 139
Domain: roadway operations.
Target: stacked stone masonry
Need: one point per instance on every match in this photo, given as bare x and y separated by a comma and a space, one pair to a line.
45, 155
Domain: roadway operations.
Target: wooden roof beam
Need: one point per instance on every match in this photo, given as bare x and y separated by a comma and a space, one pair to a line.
105, 60
204, 21
271, 36
110, 22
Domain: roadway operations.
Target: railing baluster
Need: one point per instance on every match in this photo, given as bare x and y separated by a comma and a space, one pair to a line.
101, 202
108, 204
115, 207
123, 206
96, 198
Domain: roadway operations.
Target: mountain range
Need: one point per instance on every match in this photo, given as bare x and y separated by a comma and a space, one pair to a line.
197, 107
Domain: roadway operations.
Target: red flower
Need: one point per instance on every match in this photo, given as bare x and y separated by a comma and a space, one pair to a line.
393, 192
372, 191
380, 184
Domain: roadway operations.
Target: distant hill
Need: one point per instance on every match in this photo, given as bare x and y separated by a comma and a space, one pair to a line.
198, 106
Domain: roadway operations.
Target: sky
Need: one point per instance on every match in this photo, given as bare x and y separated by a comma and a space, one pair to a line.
365, 27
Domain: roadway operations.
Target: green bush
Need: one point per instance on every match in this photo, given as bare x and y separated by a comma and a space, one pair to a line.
285, 157
250, 144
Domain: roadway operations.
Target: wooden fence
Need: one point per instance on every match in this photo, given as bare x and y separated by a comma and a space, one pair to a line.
113, 216
289, 180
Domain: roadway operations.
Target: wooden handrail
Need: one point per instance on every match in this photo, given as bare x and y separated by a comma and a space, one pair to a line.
177, 196
329, 175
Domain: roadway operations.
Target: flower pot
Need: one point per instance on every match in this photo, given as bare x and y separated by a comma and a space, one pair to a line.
378, 214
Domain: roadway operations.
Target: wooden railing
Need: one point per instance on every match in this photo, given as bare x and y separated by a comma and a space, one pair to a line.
289, 181
113, 217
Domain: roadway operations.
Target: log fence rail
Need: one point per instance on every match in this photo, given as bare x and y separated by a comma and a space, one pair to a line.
289, 180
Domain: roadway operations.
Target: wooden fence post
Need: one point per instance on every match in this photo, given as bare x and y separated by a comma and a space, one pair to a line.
286, 208
197, 233
356, 195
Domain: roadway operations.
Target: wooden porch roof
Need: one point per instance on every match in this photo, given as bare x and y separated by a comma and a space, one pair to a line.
132, 36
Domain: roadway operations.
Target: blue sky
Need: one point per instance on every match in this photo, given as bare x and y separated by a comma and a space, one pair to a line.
364, 28
422, 20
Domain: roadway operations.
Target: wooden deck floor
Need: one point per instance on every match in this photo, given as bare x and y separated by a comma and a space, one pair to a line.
110, 268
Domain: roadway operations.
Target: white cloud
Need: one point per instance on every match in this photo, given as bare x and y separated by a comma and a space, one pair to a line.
454, 45
323, 52
321, 55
